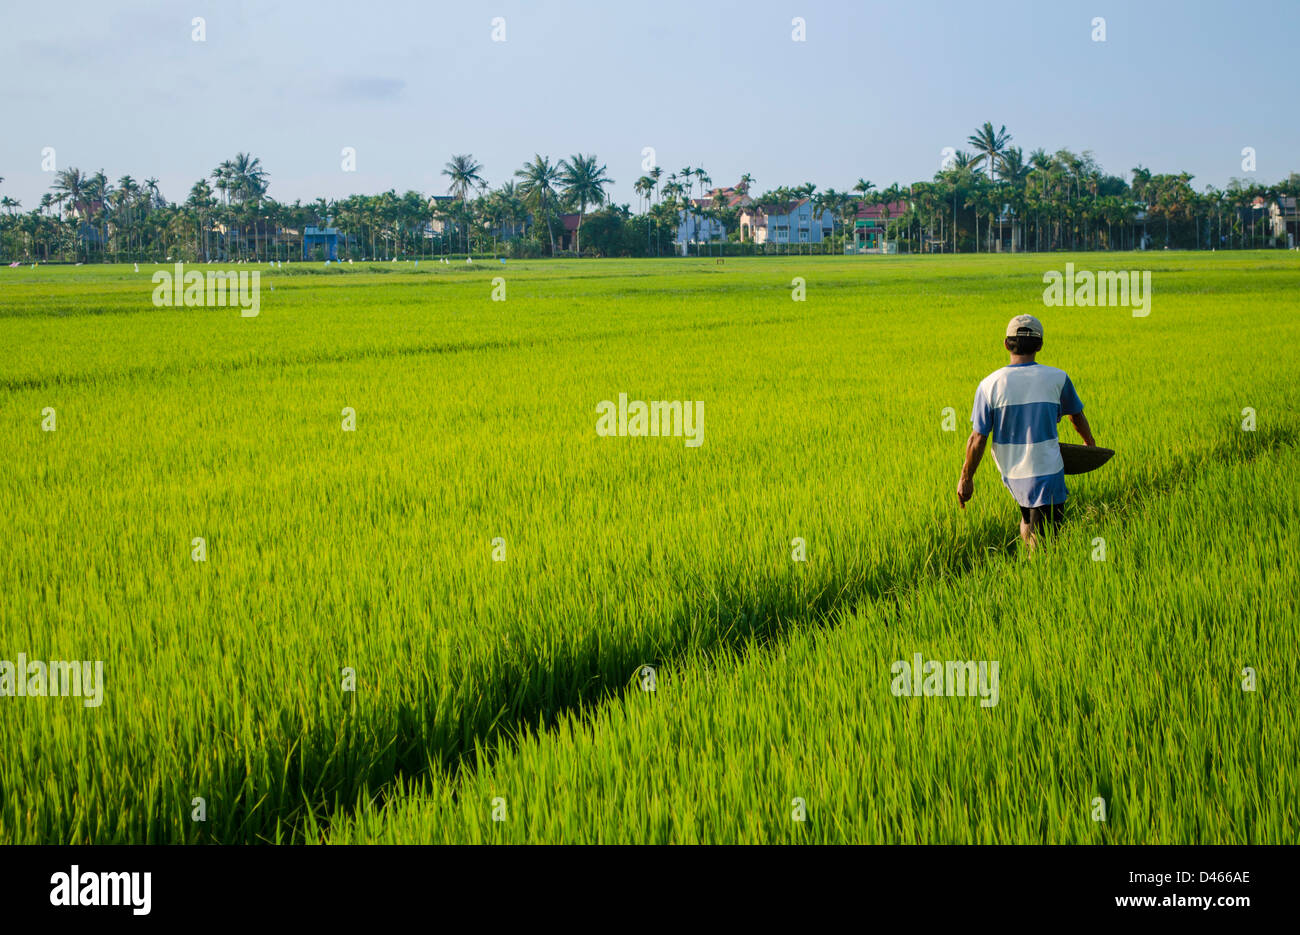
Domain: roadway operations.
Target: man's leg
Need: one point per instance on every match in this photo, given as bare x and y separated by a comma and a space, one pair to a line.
1028, 526
1049, 516
1033, 519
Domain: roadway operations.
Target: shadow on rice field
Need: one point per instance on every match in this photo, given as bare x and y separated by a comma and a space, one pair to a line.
528, 698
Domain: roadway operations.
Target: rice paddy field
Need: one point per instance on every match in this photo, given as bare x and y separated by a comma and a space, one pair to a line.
436, 627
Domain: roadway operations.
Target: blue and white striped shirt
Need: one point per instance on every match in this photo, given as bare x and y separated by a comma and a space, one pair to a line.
1018, 408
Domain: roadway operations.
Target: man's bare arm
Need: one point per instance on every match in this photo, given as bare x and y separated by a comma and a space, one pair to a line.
1080, 423
974, 452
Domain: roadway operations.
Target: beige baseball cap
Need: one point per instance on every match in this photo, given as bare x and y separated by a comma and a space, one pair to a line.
1024, 324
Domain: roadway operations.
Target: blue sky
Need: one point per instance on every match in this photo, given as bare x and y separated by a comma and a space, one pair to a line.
876, 90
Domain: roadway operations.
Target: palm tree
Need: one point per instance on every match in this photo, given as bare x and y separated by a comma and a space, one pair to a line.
703, 178
537, 185
1014, 171
655, 174
200, 201
465, 174
223, 177
1141, 179
961, 176
411, 210
1013, 168
248, 183
71, 185
249, 177
322, 211
676, 198
584, 182
989, 145
848, 211
510, 206
97, 192
723, 215
684, 178
705, 181
827, 201
123, 203
47, 225
887, 198
644, 187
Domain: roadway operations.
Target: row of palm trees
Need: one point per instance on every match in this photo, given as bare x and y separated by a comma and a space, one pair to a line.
1065, 200
229, 215
579, 181
1044, 201
84, 214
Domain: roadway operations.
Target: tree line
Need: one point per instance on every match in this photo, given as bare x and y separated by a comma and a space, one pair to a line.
1047, 201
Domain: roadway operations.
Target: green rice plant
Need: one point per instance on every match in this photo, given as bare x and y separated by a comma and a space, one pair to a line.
365, 559
1120, 715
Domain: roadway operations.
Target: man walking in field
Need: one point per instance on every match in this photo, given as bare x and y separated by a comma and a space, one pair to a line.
1019, 407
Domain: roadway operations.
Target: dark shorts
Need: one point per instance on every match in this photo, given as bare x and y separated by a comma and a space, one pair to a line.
1051, 515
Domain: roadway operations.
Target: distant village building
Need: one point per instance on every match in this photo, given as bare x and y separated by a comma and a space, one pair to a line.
326, 238
1272, 220
439, 223
1140, 219
795, 222
568, 231
1286, 221
1009, 235
696, 225
871, 224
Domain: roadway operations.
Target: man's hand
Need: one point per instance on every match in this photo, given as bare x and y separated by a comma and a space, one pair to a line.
1080, 423
974, 452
